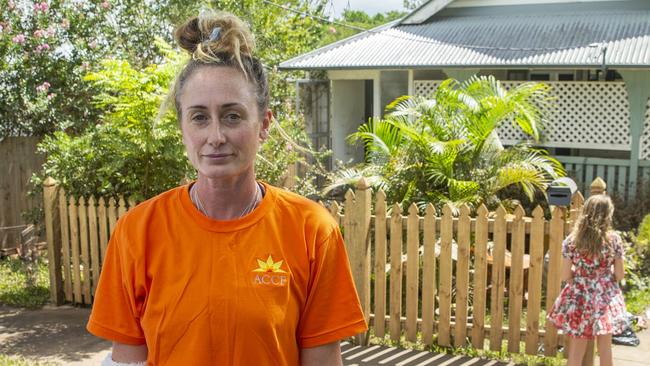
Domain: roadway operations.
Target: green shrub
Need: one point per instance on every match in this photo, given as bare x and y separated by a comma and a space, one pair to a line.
446, 150
137, 151
637, 301
643, 235
630, 212
130, 151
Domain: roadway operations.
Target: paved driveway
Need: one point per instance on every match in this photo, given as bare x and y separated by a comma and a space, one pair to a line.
53, 334
58, 335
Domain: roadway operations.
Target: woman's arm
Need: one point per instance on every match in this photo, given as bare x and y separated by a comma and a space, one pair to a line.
126, 353
327, 354
567, 273
619, 269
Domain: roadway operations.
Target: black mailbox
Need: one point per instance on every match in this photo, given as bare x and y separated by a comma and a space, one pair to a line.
559, 196
561, 191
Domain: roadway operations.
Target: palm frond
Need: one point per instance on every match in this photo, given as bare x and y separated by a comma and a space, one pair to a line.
380, 137
349, 177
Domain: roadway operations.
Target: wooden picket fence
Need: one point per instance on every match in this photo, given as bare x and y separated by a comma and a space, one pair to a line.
440, 277
77, 233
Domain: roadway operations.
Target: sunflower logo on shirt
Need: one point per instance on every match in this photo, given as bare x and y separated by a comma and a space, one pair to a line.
270, 273
269, 266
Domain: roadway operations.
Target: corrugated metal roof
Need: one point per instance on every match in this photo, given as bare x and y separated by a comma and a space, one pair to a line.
547, 40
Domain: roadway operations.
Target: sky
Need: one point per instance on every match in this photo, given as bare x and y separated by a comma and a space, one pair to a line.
371, 7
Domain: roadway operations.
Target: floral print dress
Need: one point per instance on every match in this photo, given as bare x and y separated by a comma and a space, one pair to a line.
593, 304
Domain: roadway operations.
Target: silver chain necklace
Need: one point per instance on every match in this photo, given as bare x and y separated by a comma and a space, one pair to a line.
194, 196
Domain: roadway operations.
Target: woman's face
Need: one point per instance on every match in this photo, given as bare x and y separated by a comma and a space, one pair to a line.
221, 124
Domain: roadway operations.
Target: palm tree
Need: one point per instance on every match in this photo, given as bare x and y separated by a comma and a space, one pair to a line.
447, 150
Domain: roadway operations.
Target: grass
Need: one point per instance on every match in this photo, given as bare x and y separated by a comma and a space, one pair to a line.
6, 360
16, 290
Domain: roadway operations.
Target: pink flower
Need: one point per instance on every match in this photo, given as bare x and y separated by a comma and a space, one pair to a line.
106, 5
50, 96
42, 7
332, 30
85, 65
289, 147
20, 39
11, 4
39, 33
43, 87
92, 44
42, 47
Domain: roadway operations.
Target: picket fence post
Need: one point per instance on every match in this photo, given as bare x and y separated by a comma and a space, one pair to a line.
357, 236
53, 238
598, 186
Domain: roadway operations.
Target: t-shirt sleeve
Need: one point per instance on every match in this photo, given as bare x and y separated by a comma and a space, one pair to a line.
332, 310
567, 248
119, 297
618, 245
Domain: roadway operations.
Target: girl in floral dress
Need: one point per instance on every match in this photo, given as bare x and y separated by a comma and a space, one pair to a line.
591, 304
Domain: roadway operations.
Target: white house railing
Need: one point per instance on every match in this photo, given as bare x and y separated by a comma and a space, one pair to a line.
586, 115
615, 172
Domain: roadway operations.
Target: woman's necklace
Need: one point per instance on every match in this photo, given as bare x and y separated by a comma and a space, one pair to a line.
194, 196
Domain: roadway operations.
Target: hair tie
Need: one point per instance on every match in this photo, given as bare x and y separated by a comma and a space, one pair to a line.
214, 36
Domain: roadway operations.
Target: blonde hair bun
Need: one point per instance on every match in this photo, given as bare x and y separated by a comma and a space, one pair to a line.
198, 37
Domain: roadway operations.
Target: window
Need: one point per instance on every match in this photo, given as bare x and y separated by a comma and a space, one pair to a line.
540, 76
565, 76
517, 74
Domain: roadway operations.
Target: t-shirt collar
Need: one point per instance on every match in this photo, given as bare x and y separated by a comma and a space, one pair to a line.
198, 218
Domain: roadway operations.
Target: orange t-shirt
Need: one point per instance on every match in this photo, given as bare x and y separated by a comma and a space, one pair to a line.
251, 291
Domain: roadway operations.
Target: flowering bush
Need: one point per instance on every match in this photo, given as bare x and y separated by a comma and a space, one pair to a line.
60, 41
131, 152
46, 47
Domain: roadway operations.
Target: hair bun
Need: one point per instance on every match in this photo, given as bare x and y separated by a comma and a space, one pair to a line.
234, 39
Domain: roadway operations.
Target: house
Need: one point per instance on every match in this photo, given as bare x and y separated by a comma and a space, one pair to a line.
594, 53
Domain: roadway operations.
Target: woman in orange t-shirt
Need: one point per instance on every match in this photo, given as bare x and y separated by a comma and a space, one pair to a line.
225, 270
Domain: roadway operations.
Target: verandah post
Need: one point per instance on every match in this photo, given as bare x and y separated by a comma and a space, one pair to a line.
53, 238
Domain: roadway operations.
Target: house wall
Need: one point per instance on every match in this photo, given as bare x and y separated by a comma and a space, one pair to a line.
428, 75
348, 109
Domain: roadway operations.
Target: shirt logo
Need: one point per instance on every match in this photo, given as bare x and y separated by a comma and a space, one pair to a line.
270, 273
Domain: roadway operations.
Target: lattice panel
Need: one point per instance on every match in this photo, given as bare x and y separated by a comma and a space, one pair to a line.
426, 88
644, 150
586, 115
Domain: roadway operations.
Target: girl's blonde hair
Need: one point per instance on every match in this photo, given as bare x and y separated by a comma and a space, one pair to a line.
590, 231
219, 39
